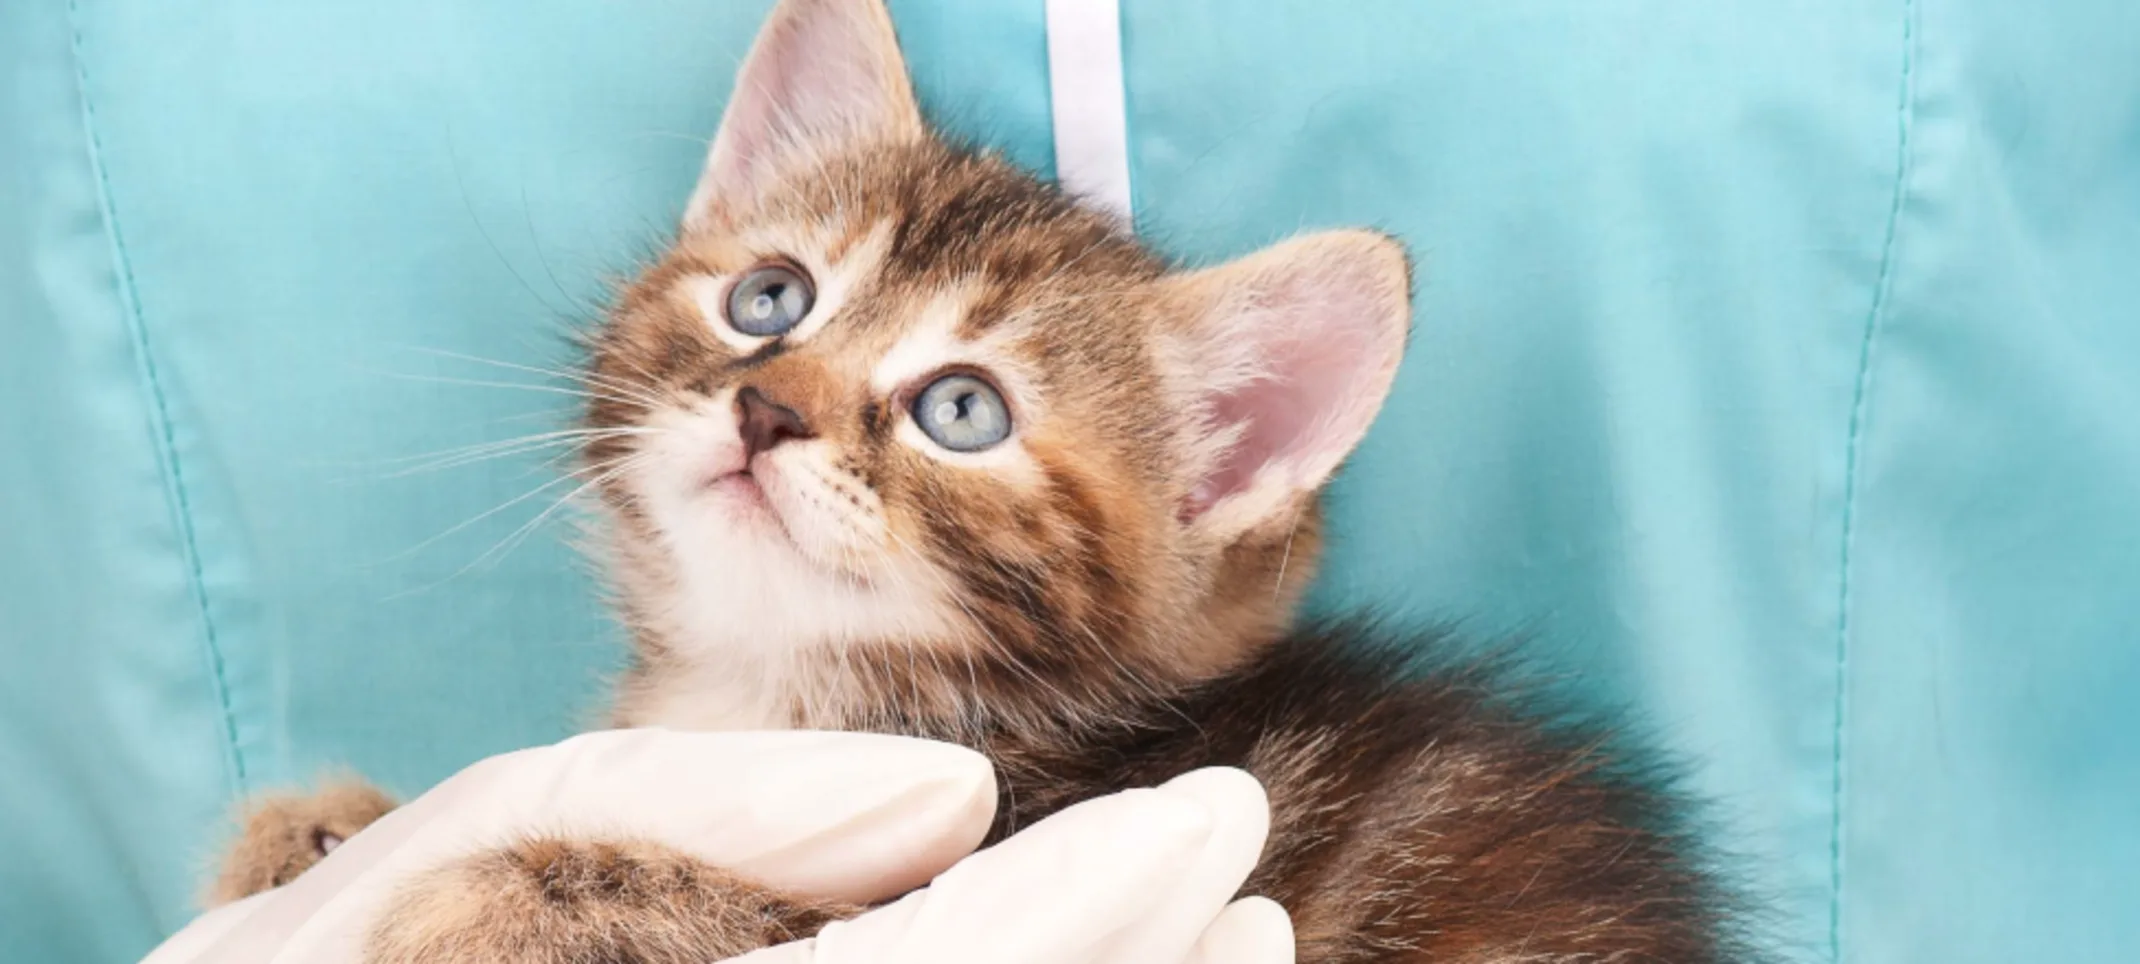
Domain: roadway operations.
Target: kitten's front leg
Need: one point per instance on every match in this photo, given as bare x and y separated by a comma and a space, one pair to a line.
548, 900
283, 835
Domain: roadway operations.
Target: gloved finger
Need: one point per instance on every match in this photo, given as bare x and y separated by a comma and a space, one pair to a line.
1168, 930
1252, 930
1061, 892
849, 816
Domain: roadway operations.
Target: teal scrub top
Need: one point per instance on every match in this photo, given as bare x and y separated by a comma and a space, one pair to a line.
1776, 373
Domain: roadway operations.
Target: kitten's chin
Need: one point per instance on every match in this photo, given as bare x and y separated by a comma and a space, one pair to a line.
739, 587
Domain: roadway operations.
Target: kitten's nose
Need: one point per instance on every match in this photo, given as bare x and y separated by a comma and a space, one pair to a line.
765, 423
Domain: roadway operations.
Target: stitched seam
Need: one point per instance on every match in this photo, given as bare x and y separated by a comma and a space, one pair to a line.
160, 412
1905, 115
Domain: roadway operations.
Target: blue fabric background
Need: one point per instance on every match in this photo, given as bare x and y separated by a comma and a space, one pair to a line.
1776, 370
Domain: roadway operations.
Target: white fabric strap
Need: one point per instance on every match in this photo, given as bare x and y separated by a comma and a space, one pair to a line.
1085, 86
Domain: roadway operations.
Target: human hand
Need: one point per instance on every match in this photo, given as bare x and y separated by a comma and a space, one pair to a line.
1142, 876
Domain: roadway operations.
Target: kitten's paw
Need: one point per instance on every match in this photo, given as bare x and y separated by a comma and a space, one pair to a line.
548, 899
284, 834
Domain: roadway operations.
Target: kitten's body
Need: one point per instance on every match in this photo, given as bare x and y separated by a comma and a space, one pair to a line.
1086, 568
1414, 817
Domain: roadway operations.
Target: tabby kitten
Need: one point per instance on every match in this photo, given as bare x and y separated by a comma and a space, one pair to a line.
916, 444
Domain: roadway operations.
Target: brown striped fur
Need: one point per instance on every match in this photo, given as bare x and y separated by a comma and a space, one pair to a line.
1072, 603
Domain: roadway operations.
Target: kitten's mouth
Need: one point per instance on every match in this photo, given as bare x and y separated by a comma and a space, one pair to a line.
743, 493
742, 498
741, 487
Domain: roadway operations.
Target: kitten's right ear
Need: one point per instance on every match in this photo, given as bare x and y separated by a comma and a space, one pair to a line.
1285, 356
823, 75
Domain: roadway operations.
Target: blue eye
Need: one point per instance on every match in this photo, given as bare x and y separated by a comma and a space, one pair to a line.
769, 301
962, 413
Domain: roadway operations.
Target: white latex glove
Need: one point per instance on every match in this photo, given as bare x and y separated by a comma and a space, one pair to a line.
1140, 877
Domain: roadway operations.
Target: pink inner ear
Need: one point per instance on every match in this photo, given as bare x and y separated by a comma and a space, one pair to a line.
1325, 354
822, 74
802, 89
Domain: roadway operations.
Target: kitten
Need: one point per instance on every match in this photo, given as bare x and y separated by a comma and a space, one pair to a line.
907, 441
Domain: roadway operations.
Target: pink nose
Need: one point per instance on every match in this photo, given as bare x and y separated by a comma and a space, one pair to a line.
764, 423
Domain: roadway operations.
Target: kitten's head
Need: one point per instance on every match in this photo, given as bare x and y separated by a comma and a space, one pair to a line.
901, 427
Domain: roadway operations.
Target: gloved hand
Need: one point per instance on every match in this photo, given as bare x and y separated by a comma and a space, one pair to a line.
1140, 877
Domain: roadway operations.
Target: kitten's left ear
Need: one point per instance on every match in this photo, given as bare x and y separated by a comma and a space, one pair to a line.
823, 75
1287, 356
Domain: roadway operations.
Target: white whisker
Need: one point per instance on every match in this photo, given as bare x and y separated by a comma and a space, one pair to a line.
517, 536
484, 451
522, 386
516, 500
630, 391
